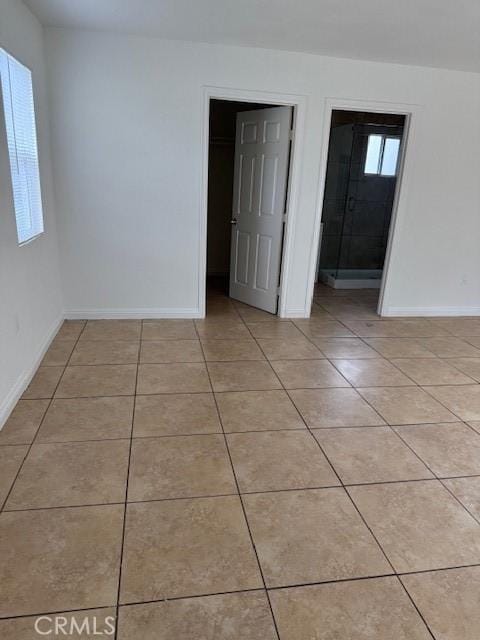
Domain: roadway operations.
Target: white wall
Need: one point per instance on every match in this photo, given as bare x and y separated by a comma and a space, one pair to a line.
126, 131
30, 294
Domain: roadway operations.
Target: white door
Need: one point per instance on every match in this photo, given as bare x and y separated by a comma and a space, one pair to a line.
262, 150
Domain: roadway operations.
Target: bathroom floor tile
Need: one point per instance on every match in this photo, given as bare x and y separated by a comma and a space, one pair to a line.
228, 350
105, 352
169, 330
112, 330
164, 351
11, 458
22, 424
43, 383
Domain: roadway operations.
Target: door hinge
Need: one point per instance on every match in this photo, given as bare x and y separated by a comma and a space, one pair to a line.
291, 134
284, 217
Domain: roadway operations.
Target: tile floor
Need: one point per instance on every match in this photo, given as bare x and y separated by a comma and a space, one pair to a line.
249, 478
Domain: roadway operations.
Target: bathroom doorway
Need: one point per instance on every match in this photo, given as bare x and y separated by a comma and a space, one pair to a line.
364, 155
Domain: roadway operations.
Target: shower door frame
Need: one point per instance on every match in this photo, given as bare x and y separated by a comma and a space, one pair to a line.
405, 174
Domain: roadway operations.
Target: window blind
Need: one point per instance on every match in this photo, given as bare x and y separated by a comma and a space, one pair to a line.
19, 112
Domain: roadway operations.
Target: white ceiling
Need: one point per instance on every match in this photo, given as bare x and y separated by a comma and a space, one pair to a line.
438, 33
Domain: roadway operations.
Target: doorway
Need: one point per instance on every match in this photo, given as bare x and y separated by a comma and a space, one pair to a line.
363, 167
249, 150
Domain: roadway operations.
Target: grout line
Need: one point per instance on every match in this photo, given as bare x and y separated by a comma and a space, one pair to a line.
244, 510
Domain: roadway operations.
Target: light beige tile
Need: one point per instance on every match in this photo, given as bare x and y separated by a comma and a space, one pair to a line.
250, 314
475, 424
399, 347
473, 341
233, 616
419, 525
177, 548
365, 455
11, 458
371, 373
242, 376
407, 405
285, 330
411, 328
97, 380
80, 625
168, 330
70, 329
288, 349
89, 352
275, 460
467, 327
431, 371
175, 414
70, 474
52, 557
375, 609
311, 536
344, 348
87, 419
451, 347
112, 330
258, 411
448, 601
320, 328
23, 422
228, 350
308, 374
334, 408
164, 351
467, 490
450, 449
180, 467
172, 378
469, 366
58, 353
463, 401
43, 383
222, 330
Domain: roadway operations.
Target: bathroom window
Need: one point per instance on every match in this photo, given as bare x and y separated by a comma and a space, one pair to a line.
19, 114
382, 155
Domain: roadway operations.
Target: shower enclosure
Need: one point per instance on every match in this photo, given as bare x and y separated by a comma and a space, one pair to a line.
363, 158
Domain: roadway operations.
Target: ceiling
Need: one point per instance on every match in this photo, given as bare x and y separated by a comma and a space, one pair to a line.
436, 33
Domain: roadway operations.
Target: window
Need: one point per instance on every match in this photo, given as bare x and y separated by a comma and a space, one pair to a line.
382, 155
19, 113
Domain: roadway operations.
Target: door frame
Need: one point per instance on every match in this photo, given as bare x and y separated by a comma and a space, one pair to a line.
408, 153
299, 104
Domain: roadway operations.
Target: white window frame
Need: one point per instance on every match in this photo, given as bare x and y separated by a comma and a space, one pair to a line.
17, 106
384, 137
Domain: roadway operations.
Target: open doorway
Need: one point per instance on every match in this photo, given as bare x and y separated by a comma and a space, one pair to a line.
248, 171
364, 160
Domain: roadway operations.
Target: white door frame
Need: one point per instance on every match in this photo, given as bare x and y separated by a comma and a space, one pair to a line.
299, 102
412, 113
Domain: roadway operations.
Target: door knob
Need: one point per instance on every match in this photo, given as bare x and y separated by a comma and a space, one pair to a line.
233, 221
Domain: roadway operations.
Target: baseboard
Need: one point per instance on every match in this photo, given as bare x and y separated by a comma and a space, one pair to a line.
295, 313
15, 393
131, 314
431, 311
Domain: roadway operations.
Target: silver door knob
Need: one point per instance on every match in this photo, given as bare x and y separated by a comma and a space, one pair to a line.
233, 221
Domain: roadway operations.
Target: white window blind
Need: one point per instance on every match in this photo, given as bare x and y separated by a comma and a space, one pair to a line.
18, 108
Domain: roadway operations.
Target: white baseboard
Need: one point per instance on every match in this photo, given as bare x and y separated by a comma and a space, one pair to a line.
295, 313
431, 311
23, 380
131, 314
